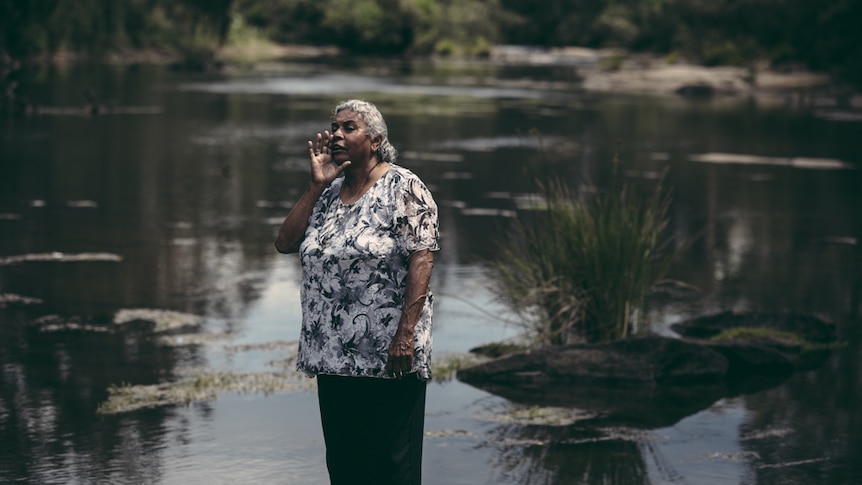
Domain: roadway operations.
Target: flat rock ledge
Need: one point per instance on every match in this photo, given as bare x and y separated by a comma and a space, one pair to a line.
694, 358
654, 380
766, 353
645, 382
641, 359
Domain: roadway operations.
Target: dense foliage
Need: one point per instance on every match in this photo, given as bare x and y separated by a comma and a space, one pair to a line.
821, 34
35, 27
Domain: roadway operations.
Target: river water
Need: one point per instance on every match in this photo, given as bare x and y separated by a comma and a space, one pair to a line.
169, 201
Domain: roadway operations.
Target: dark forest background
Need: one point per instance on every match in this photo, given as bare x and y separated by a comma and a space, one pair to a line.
823, 35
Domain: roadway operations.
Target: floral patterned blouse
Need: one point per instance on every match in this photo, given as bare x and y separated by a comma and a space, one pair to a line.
354, 271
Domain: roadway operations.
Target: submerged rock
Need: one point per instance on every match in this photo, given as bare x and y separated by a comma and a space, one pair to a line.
650, 359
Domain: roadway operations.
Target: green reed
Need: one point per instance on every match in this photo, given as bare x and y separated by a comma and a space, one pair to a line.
581, 269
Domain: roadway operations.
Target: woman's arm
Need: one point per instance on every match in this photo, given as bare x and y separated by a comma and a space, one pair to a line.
323, 172
419, 269
292, 229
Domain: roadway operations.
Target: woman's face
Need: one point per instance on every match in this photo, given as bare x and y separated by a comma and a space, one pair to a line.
350, 140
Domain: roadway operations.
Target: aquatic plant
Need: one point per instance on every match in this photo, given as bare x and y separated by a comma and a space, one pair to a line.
197, 387
15, 299
60, 257
204, 385
581, 269
444, 367
164, 320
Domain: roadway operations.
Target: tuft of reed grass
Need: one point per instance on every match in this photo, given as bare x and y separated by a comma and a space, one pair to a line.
581, 269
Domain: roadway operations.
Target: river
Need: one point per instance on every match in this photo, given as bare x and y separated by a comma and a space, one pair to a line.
168, 200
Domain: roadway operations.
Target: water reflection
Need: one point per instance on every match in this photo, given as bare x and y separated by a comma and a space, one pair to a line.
51, 385
791, 444
189, 197
532, 455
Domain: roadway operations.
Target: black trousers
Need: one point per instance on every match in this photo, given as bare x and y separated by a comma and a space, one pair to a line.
373, 429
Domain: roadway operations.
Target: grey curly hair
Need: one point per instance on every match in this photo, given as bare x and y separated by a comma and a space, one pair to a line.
374, 125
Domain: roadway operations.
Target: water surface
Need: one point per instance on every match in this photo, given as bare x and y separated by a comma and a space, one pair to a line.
172, 199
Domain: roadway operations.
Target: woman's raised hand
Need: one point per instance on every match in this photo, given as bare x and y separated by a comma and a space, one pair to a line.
323, 168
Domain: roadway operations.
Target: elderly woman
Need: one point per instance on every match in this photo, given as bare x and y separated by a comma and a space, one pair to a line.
365, 242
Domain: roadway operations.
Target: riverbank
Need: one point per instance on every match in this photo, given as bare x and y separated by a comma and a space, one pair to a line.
615, 71
600, 70
620, 72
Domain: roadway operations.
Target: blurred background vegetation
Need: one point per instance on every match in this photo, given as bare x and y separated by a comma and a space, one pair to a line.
820, 35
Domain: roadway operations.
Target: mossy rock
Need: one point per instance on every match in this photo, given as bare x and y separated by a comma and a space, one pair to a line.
497, 349
807, 328
764, 343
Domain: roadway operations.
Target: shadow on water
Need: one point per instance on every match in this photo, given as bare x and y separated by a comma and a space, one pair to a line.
188, 199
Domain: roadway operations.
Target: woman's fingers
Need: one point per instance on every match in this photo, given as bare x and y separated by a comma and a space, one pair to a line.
325, 142
399, 364
320, 145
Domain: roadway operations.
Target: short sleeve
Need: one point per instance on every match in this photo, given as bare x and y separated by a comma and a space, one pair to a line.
416, 217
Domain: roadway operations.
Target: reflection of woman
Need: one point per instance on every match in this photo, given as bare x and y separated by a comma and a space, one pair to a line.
365, 241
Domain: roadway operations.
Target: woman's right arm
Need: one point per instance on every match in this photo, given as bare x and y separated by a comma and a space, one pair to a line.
292, 229
323, 172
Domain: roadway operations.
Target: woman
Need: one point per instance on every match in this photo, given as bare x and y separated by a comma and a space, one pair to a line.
365, 241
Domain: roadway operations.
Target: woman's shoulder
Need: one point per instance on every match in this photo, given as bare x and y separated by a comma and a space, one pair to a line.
400, 171
402, 175
404, 185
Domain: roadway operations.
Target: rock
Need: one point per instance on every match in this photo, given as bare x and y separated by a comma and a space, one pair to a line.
630, 404
650, 359
658, 78
493, 349
647, 381
766, 353
807, 327
745, 358
654, 381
